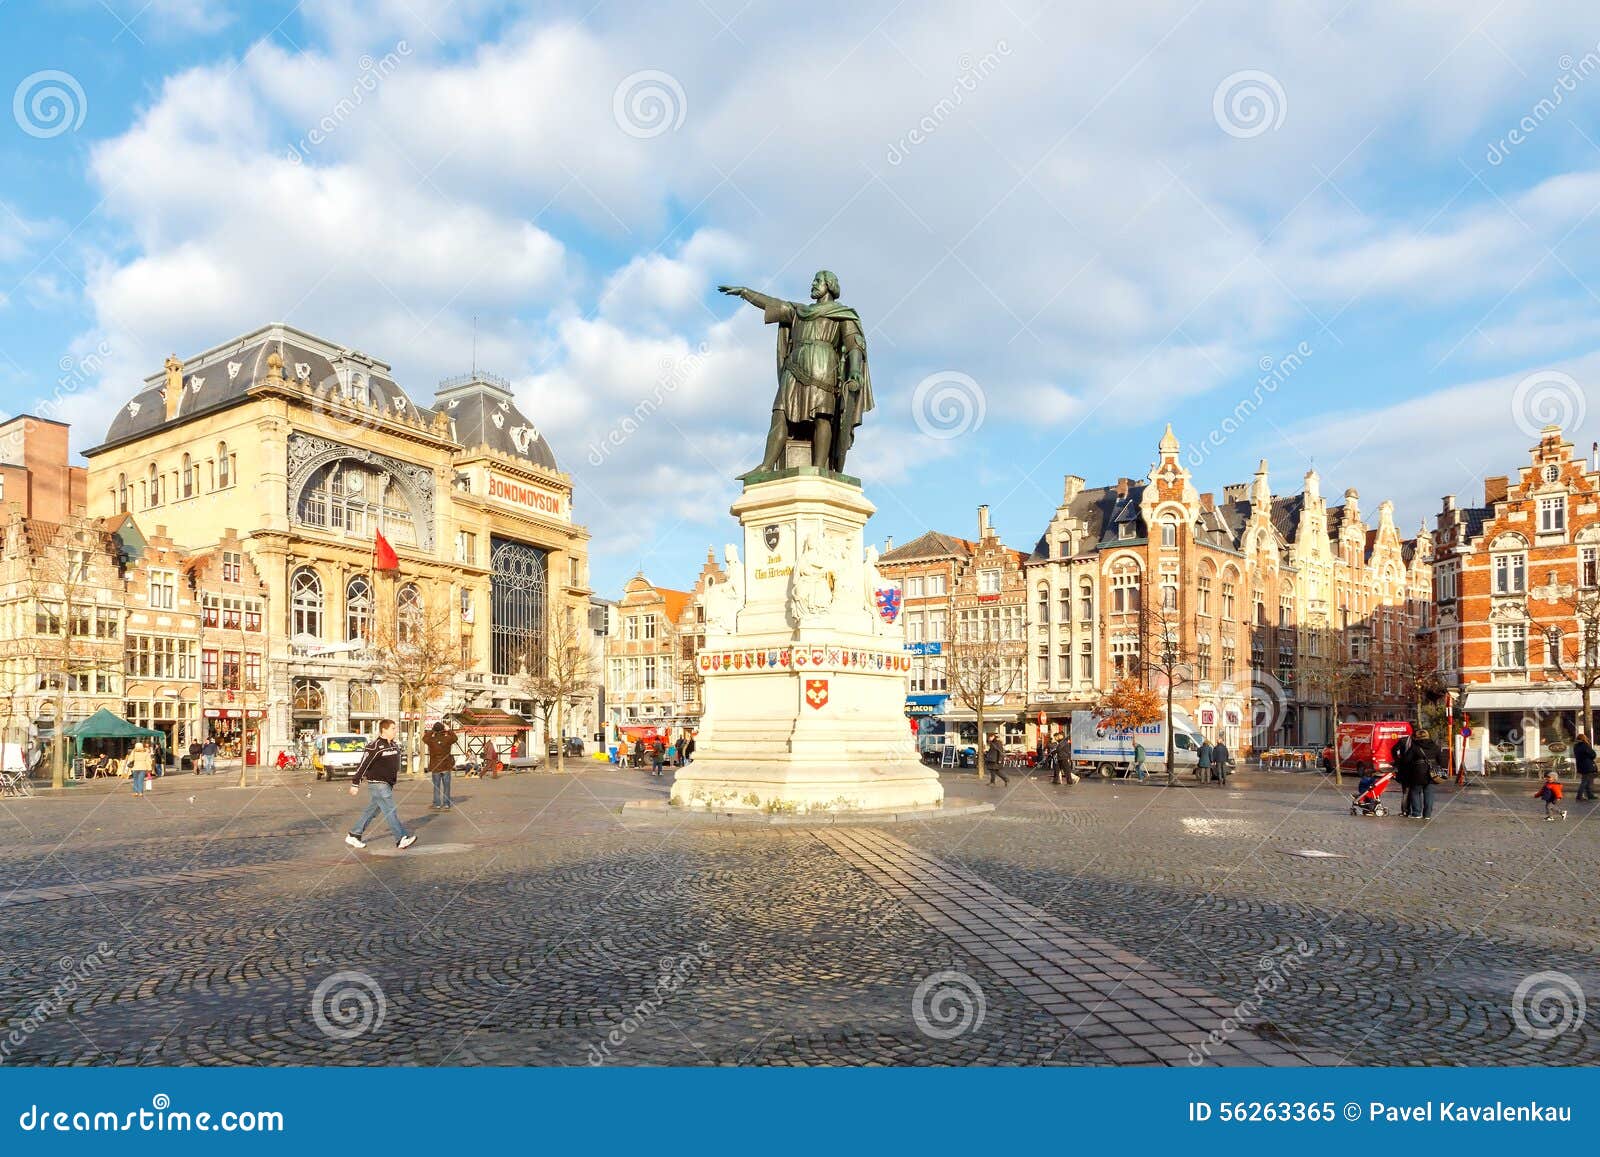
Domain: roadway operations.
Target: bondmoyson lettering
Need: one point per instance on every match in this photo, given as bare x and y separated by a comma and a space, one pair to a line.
1497, 1112
528, 497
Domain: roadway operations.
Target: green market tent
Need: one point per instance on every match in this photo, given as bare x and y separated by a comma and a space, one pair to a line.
104, 724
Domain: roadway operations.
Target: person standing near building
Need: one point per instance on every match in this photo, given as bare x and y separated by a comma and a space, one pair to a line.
1202, 766
441, 744
380, 767
1220, 756
995, 757
655, 760
139, 766
208, 756
1583, 758
1139, 757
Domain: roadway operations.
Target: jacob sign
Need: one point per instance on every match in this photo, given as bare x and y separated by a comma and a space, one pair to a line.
527, 497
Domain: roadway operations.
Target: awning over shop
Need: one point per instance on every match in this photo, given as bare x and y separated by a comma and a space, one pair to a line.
1568, 700
488, 721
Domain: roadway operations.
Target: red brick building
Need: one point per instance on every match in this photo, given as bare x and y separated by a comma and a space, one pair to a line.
1518, 592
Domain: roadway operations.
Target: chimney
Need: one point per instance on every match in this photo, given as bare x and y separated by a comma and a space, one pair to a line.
983, 522
1494, 489
1236, 492
1449, 502
1071, 487
1122, 487
172, 393
888, 543
1208, 501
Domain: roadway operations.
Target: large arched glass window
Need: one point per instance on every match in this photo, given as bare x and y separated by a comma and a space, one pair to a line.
357, 608
305, 603
308, 698
353, 499
408, 612
363, 699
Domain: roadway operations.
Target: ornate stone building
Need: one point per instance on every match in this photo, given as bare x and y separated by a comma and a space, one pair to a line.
1260, 593
1518, 590
309, 449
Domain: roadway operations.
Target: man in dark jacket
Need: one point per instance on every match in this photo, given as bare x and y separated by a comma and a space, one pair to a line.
380, 767
441, 744
994, 757
1583, 756
1407, 761
1429, 760
1219, 762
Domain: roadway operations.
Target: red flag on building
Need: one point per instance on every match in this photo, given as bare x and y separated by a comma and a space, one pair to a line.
383, 555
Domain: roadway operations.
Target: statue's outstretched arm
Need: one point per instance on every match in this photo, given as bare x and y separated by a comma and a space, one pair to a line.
759, 300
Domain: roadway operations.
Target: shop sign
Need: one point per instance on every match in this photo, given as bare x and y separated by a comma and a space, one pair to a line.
527, 497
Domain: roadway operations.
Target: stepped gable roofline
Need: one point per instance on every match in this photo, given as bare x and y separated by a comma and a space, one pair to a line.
223, 376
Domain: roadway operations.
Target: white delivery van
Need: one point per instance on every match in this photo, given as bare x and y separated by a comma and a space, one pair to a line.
338, 756
1113, 750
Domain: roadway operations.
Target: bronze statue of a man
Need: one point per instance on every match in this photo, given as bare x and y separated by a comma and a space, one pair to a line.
823, 385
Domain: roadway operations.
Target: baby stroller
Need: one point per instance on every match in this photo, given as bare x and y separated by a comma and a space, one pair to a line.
1368, 800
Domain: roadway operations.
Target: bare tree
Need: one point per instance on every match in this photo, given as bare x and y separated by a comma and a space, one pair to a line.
1168, 664
983, 664
1341, 680
414, 648
567, 678
76, 645
1576, 658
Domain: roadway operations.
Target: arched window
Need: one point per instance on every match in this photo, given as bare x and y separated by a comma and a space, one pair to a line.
1044, 604
122, 493
308, 698
153, 488
1169, 532
357, 608
354, 499
1086, 600
363, 699
1125, 587
305, 603
224, 467
408, 612
188, 478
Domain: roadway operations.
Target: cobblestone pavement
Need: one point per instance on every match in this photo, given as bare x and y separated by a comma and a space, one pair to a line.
1102, 923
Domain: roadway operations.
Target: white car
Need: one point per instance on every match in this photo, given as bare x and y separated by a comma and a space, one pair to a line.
338, 756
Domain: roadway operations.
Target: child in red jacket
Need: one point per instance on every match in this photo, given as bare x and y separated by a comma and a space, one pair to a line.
1551, 793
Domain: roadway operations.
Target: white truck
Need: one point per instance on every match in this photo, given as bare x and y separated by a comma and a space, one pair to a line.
1113, 750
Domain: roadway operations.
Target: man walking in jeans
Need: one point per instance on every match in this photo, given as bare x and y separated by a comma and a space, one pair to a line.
380, 767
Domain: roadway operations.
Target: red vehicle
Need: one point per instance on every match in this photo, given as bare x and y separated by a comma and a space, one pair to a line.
1365, 748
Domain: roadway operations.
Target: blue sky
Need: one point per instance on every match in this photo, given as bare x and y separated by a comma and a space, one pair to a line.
1062, 230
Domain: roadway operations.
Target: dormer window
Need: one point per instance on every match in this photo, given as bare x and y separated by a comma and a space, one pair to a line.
1124, 530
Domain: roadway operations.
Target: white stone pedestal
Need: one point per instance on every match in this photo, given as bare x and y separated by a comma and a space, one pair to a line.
805, 681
